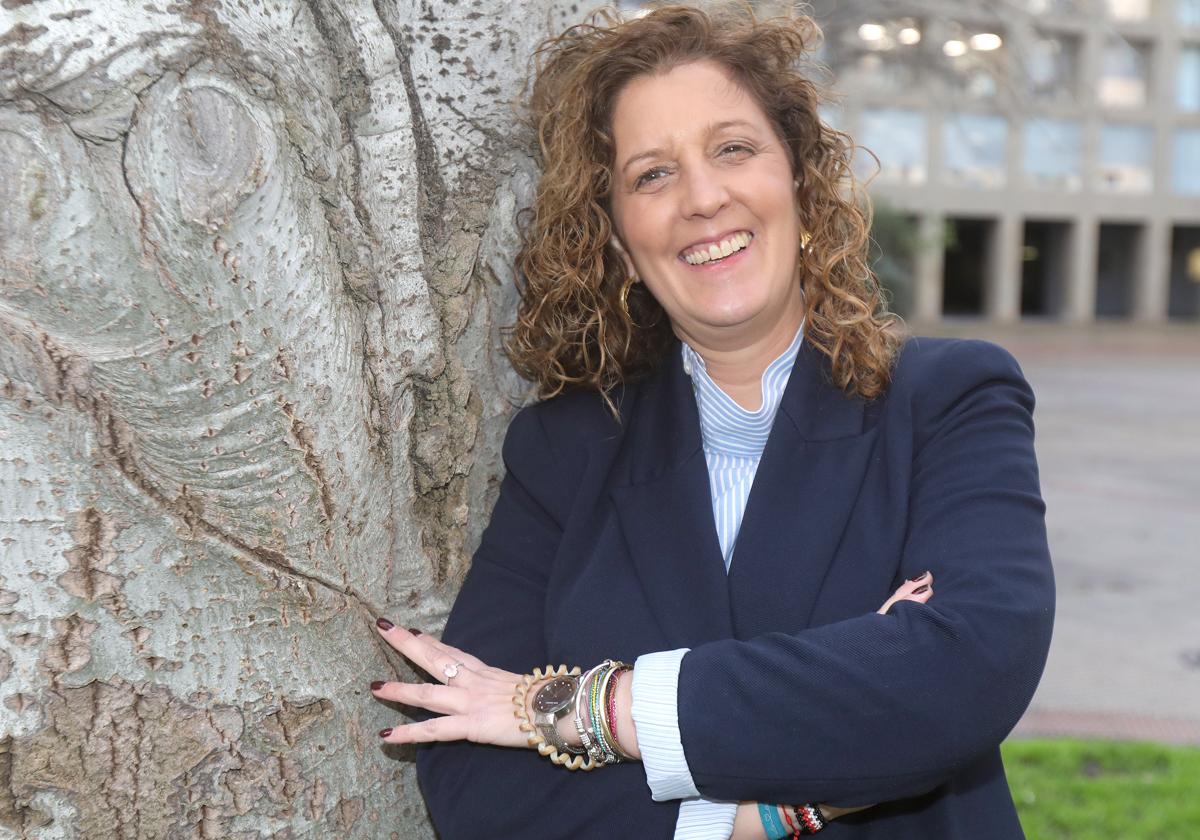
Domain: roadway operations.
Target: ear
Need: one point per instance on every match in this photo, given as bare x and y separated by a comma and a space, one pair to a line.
619, 247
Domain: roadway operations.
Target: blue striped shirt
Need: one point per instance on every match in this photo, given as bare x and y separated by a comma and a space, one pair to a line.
733, 440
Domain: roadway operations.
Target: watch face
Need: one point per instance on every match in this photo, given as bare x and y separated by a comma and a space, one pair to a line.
552, 696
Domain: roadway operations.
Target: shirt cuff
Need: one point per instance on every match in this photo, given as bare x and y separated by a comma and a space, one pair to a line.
705, 819
656, 716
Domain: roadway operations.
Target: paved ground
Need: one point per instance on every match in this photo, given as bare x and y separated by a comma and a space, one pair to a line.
1118, 441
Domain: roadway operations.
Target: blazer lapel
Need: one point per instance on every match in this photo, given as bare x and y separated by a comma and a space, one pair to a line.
665, 510
804, 491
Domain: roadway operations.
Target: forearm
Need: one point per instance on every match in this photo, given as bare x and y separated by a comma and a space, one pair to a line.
747, 825
855, 712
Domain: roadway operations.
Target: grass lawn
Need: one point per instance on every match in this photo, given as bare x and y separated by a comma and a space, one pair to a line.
1104, 790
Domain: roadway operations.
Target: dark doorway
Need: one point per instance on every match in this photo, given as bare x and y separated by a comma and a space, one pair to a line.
964, 274
1045, 268
1116, 269
1184, 300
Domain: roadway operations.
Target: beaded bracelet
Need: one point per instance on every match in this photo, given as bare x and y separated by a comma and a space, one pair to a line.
536, 739
809, 819
787, 818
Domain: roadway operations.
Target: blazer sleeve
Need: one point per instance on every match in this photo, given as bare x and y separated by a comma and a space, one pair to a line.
884, 707
473, 790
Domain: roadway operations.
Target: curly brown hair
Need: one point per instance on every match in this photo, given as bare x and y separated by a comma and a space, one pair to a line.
571, 330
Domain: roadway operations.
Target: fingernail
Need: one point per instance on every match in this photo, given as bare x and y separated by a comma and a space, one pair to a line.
378, 684
384, 624
383, 733
918, 577
921, 589
414, 631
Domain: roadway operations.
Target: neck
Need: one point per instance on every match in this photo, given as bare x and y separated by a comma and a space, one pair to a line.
737, 368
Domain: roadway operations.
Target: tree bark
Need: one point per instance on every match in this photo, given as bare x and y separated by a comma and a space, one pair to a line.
253, 261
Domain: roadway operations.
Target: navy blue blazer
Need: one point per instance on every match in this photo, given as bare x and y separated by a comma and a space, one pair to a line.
602, 544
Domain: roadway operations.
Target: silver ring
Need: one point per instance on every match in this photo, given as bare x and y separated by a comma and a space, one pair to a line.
451, 670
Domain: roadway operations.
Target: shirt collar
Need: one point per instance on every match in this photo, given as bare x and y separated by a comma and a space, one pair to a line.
724, 425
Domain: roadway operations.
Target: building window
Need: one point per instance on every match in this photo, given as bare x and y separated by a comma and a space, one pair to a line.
1052, 67
1052, 153
1049, 7
1187, 80
976, 59
877, 56
1130, 9
1126, 159
1125, 75
897, 137
973, 147
1185, 176
1188, 12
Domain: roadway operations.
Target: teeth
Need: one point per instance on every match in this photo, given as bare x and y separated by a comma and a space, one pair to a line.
718, 250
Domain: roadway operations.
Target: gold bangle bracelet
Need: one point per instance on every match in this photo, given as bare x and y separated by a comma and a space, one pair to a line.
535, 738
622, 755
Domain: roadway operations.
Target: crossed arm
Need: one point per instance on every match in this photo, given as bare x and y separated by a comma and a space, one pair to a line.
475, 700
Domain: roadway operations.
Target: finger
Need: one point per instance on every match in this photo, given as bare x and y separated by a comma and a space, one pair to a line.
914, 582
921, 595
832, 812
424, 651
919, 589
449, 728
416, 647
451, 652
436, 698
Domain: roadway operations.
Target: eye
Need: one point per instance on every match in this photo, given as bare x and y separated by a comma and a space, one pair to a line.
649, 176
735, 150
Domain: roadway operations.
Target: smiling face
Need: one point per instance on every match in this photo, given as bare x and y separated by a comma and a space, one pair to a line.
703, 202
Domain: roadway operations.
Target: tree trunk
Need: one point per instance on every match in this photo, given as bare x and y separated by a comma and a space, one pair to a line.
253, 261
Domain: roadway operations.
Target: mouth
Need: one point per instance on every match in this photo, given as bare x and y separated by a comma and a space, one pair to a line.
707, 253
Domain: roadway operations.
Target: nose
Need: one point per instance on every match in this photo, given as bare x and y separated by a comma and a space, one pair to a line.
704, 192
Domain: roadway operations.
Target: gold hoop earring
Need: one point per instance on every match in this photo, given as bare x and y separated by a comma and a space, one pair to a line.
625, 287
805, 236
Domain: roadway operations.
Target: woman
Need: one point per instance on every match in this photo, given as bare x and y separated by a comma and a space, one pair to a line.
698, 314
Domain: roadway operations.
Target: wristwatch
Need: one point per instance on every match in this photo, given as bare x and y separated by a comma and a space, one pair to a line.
554, 701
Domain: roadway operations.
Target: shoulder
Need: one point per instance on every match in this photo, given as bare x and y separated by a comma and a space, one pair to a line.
928, 367
939, 379
549, 444
566, 426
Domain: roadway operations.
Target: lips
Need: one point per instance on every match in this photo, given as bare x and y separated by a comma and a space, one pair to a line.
716, 249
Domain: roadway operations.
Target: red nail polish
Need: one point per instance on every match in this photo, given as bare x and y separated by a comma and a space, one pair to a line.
384, 624
918, 577
921, 589
383, 733
378, 684
414, 631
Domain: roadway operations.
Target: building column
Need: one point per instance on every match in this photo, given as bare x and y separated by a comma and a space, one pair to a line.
929, 268
1081, 271
1153, 282
1002, 292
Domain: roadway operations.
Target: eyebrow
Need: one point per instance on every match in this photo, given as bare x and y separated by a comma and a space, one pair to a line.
715, 128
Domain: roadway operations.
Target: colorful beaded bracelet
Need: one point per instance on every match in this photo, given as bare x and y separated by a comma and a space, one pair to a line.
808, 819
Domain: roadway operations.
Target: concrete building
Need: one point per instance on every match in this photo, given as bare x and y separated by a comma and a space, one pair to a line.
1057, 140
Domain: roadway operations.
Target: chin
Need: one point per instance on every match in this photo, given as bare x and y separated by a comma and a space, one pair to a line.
727, 319
731, 313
